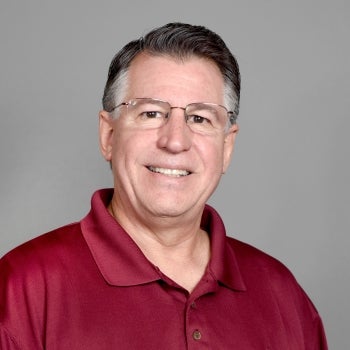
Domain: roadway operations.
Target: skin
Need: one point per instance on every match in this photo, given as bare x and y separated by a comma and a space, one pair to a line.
160, 211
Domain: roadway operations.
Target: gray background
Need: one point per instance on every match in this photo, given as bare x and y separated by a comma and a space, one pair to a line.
287, 190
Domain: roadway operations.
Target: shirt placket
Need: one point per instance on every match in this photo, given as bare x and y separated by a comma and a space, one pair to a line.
196, 326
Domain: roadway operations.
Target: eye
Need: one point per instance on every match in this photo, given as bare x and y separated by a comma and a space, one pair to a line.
151, 115
197, 119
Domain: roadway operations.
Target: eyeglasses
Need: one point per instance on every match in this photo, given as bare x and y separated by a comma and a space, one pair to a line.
202, 118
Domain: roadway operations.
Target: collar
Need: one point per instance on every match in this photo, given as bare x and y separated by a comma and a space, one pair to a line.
122, 263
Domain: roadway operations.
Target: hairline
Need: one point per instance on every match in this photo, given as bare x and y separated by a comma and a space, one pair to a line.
119, 87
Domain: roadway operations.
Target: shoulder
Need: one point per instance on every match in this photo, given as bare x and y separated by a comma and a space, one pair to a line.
43, 252
251, 258
262, 272
33, 276
39, 269
273, 287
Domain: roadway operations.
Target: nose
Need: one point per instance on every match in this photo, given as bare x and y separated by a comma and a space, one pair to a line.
175, 136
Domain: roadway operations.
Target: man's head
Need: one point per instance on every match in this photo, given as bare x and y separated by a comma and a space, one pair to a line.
168, 156
181, 42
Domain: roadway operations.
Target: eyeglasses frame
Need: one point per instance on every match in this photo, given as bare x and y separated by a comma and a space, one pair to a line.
232, 116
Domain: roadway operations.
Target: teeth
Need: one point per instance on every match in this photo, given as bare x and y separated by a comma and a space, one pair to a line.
169, 172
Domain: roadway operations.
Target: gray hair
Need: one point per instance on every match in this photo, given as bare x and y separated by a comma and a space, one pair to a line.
179, 41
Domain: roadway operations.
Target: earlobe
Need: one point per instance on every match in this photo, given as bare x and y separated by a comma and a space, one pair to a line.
229, 143
106, 133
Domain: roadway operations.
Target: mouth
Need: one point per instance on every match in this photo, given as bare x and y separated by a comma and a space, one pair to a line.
169, 172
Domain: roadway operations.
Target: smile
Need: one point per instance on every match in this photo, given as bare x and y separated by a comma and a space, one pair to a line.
169, 172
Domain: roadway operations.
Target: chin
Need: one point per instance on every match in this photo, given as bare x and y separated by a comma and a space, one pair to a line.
175, 209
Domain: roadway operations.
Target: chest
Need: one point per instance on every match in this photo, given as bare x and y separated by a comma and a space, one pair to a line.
158, 316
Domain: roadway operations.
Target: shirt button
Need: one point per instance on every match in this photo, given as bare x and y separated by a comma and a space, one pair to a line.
193, 305
197, 335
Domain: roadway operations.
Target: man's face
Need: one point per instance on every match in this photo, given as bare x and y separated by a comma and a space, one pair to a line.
170, 171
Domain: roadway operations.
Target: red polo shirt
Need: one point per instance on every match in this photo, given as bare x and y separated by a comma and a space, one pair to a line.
88, 286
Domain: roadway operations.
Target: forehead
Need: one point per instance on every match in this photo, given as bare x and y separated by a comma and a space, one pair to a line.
177, 81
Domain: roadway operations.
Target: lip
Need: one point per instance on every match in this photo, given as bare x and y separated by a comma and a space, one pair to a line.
172, 172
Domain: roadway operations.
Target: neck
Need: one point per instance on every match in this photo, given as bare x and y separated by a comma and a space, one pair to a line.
168, 231
180, 249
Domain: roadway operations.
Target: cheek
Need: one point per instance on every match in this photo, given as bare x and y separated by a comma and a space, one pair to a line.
128, 149
121, 149
212, 155
122, 141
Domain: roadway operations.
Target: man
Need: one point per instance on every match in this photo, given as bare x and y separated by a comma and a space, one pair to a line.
150, 267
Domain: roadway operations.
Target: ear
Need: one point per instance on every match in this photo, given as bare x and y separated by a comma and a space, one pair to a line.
106, 135
229, 142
